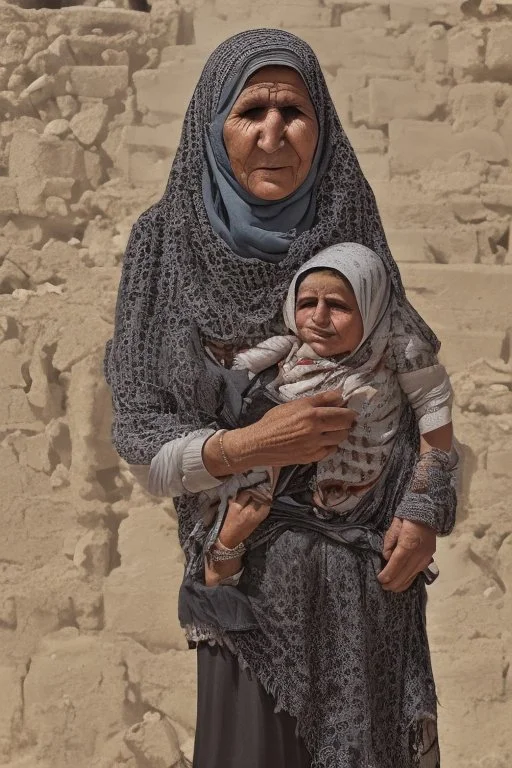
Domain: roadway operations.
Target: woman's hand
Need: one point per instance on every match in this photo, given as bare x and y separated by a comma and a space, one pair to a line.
300, 432
408, 548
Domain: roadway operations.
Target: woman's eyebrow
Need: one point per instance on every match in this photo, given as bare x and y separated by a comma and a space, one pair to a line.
260, 93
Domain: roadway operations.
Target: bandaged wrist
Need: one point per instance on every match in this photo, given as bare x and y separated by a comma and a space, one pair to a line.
430, 497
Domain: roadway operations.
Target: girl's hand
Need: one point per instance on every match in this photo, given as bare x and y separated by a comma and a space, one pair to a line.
245, 513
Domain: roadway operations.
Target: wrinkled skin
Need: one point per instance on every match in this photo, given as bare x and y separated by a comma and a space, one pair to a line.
271, 133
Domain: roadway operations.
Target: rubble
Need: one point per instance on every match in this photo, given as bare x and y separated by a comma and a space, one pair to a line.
95, 669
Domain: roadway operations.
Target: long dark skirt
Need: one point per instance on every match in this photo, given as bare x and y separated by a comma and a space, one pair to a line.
236, 723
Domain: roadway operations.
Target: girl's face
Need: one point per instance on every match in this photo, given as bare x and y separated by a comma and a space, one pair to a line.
327, 315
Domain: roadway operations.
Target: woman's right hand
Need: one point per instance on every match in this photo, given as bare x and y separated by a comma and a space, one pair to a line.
299, 432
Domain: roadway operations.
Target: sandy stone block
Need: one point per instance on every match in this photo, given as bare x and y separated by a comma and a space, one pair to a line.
348, 80
498, 55
363, 18
155, 742
58, 186
73, 345
11, 277
414, 144
89, 122
468, 208
166, 90
83, 19
74, 697
411, 12
497, 194
148, 168
474, 104
141, 595
67, 105
56, 206
375, 167
8, 198
391, 99
458, 246
11, 709
290, 15
365, 139
499, 462
408, 245
461, 348
30, 197
360, 106
167, 682
470, 296
11, 361
32, 156
466, 51
337, 47
92, 552
491, 241
163, 137
57, 127
93, 168
98, 82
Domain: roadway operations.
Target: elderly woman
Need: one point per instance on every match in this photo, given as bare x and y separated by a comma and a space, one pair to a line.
317, 656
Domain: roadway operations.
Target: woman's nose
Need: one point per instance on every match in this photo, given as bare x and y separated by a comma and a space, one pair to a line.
321, 315
271, 136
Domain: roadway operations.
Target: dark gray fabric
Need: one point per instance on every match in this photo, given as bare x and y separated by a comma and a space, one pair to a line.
249, 225
236, 723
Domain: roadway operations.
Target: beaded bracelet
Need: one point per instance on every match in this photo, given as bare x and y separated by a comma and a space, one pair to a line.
222, 450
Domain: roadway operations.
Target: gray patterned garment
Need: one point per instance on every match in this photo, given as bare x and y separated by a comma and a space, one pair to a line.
349, 660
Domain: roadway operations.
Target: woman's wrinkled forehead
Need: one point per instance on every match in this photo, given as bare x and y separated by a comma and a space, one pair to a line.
263, 68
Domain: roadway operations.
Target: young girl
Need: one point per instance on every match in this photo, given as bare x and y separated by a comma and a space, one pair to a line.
348, 334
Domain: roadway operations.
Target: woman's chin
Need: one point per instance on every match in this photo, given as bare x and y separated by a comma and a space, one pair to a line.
270, 189
325, 348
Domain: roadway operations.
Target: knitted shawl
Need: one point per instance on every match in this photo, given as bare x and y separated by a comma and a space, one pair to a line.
182, 283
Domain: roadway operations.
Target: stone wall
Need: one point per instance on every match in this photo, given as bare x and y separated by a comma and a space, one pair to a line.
94, 669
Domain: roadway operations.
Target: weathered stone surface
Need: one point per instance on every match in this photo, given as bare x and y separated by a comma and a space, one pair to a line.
160, 677
153, 86
155, 742
466, 50
98, 82
474, 105
414, 144
32, 155
11, 710
139, 601
391, 99
74, 697
457, 295
498, 54
89, 122
8, 198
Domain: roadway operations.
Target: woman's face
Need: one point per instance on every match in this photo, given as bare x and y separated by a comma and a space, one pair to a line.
271, 133
327, 315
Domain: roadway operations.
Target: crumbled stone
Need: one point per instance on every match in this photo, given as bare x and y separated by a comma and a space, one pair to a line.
57, 127
98, 82
89, 122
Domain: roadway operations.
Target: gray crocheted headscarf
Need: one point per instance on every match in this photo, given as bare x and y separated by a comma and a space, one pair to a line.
182, 279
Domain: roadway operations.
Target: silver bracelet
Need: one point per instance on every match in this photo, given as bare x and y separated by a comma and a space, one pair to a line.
225, 553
